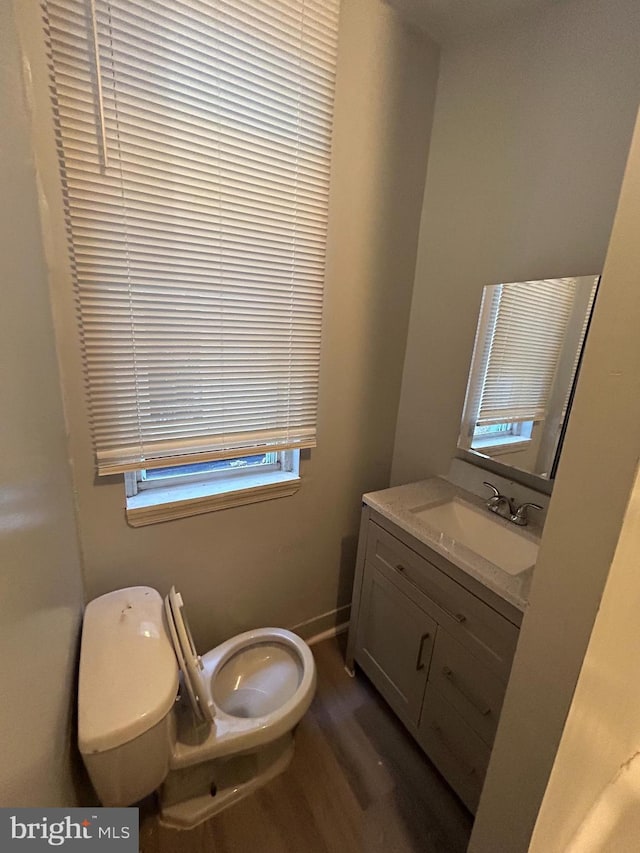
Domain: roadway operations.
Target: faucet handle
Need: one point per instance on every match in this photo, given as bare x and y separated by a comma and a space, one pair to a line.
496, 493
496, 500
520, 516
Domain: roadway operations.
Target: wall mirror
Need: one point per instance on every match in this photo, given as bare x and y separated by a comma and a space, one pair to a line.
526, 357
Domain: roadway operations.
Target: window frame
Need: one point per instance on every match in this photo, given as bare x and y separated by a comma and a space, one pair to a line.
175, 497
142, 482
518, 435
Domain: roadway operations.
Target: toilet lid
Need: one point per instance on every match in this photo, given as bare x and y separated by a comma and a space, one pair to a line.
188, 658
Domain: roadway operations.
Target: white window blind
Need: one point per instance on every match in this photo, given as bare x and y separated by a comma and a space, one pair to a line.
527, 327
194, 141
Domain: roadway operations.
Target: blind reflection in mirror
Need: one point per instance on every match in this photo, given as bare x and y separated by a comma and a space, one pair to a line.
526, 356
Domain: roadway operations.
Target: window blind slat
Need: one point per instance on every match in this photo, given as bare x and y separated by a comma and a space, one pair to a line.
198, 251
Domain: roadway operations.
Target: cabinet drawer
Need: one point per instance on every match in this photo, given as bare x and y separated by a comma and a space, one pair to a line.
490, 636
469, 686
456, 750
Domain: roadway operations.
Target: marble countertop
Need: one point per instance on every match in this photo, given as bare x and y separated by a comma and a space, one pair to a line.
396, 505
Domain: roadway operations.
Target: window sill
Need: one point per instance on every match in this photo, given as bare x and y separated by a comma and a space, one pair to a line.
156, 505
505, 445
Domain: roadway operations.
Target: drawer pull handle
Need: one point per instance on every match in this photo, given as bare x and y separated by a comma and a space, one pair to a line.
419, 661
468, 768
457, 617
480, 707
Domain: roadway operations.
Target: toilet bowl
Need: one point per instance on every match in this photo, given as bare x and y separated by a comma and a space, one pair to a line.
202, 731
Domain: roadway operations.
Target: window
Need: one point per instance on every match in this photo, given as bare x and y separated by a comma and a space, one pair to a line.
160, 494
205, 471
504, 434
194, 142
529, 339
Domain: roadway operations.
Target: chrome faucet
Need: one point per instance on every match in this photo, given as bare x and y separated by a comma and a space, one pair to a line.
496, 501
517, 516
520, 516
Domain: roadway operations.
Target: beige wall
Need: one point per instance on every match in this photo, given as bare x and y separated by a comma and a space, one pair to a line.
289, 560
595, 480
602, 732
40, 587
530, 135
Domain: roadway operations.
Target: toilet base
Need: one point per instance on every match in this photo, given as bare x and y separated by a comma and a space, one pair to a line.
192, 795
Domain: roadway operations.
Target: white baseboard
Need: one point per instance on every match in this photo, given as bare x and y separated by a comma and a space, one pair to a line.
325, 625
328, 634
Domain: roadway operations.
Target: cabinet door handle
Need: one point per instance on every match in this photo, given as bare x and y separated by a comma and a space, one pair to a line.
419, 661
480, 707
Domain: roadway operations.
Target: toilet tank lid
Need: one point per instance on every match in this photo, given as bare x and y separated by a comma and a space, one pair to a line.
128, 670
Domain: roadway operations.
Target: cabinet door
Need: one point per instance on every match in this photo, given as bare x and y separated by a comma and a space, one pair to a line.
394, 644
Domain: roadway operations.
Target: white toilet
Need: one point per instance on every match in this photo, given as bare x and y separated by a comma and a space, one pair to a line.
225, 732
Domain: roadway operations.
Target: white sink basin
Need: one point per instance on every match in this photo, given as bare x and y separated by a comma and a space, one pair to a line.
480, 532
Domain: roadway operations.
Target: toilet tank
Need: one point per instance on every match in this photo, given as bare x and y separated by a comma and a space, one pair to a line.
126, 691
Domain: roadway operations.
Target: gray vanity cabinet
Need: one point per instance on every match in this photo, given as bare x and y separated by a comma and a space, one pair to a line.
436, 644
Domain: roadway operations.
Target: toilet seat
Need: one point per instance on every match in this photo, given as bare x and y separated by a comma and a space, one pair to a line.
249, 690
272, 668
189, 660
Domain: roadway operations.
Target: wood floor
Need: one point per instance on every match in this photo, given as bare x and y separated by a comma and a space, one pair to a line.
358, 783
